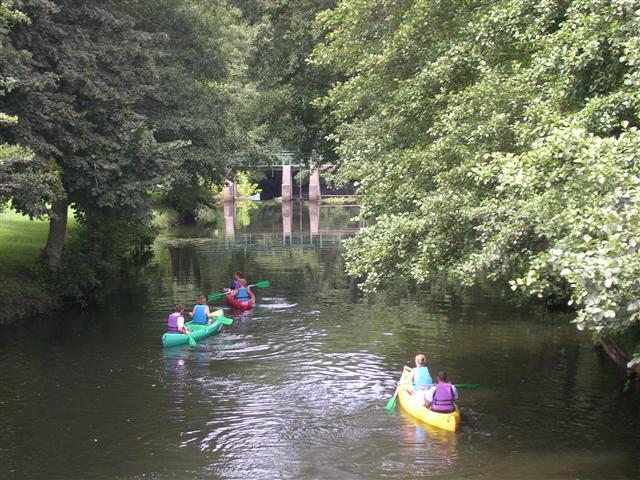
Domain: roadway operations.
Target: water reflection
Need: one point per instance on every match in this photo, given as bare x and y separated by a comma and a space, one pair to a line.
314, 217
286, 221
296, 388
233, 223
435, 450
229, 219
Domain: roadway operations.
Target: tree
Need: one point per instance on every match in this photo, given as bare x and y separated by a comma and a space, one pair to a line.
287, 84
203, 95
20, 180
78, 95
494, 138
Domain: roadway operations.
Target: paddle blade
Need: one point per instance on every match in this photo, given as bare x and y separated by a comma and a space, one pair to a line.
391, 404
262, 284
467, 385
215, 296
192, 341
224, 320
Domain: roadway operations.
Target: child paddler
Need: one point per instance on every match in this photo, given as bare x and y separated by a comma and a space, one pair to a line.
200, 313
420, 377
175, 321
441, 396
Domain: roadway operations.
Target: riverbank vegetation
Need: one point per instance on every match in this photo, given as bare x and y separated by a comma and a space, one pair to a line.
495, 137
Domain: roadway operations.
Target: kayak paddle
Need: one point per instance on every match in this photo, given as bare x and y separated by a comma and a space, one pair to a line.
217, 296
391, 404
466, 385
224, 320
192, 341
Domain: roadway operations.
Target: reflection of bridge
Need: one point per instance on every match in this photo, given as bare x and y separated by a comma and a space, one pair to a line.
288, 237
287, 158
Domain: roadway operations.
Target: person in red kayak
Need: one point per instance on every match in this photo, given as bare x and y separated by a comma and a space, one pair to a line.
243, 293
235, 283
441, 396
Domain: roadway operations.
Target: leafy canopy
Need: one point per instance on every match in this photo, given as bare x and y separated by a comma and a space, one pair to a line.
494, 137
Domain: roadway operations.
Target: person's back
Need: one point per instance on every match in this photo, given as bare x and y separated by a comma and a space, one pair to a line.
421, 376
243, 292
441, 396
175, 321
200, 313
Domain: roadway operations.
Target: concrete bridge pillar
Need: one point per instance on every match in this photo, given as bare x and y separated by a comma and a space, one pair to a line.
286, 183
314, 185
229, 191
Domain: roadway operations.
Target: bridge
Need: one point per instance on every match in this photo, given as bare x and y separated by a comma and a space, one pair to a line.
287, 159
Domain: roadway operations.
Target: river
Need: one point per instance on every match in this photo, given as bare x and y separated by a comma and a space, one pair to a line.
297, 387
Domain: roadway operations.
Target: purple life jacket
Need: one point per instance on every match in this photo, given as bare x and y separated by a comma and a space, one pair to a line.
172, 323
443, 398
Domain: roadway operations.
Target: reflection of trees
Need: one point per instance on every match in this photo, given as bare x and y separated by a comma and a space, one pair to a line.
185, 264
243, 213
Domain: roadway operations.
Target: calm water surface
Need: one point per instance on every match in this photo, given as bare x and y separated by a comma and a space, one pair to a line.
296, 388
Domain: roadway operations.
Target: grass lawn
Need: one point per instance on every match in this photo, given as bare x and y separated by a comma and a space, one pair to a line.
22, 240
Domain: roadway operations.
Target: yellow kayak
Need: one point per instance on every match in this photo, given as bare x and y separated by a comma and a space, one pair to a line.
415, 408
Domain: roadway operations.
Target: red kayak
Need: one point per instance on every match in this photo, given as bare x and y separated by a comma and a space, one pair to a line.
241, 304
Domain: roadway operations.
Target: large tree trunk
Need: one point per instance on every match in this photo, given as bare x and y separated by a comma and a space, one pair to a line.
57, 229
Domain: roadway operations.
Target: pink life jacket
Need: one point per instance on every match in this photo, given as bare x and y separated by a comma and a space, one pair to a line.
172, 323
443, 398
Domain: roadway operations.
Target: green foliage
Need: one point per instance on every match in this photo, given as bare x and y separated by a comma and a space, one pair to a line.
285, 34
497, 138
98, 250
188, 198
244, 186
243, 213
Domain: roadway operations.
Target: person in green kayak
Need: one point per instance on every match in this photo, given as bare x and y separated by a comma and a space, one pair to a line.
175, 322
200, 313
420, 376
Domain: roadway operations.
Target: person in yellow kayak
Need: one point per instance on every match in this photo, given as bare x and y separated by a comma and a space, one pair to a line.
420, 376
200, 313
440, 397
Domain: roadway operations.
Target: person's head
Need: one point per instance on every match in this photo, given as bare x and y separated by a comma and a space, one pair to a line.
237, 275
441, 377
179, 308
421, 360
243, 282
202, 300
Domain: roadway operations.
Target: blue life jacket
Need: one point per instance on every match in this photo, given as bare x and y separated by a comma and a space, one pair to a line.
443, 398
422, 379
242, 295
199, 315
172, 323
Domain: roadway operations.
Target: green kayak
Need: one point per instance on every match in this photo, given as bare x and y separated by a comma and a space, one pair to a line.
198, 332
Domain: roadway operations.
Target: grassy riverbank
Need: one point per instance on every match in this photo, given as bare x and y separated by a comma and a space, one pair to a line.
21, 243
